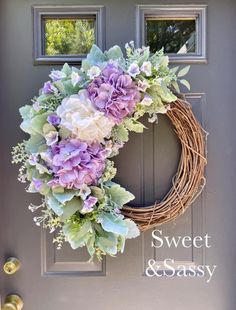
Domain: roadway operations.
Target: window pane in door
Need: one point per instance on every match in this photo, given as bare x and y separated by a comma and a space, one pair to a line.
68, 36
175, 35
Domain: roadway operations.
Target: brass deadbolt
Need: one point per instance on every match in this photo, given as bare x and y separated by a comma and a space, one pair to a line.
12, 265
13, 302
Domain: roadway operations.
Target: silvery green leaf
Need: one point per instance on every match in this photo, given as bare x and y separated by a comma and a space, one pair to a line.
69, 88
67, 195
97, 192
133, 231
34, 143
114, 53
64, 133
38, 122
85, 65
26, 127
55, 205
176, 86
134, 125
48, 128
119, 195
175, 69
185, 83
70, 207
112, 223
95, 55
74, 69
90, 245
57, 189
44, 190
121, 134
66, 69
164, 61
108, 244
165, 94
25, 111
183, 71
60, 86
161, 110
76, 234
122, 243
41, 169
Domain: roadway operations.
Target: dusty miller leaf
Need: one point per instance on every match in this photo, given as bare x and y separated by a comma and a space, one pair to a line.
183, 71
185, 83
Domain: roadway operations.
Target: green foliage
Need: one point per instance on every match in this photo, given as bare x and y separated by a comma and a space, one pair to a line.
118, 194
133, 125
77, 234
64, 196
69, 36
183, 71
114, 53
70, 207
35, 143
120, 133
113, 224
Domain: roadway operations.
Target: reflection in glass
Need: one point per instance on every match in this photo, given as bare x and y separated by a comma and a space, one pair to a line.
177, 36
69, 36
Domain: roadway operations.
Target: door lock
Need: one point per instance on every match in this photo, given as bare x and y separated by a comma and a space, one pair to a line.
12, 265
13, 302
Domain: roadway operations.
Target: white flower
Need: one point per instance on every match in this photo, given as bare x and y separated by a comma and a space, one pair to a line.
147, 100
51, 137
146, 68
143, 85
75, 78
153, 118
57, 75
93, 72
133, 69
36, 106
84, 191
78, 115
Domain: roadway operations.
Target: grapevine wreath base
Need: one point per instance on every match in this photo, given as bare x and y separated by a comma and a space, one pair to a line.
189, 179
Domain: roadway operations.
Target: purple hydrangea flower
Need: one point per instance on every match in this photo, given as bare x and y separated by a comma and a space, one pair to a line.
54, 119
48, 88
133, 70
114, 93
33, 159
89, 203
37, 184
74, 163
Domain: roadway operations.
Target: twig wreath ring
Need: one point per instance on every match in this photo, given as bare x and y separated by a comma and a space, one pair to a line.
189, 180
79, 121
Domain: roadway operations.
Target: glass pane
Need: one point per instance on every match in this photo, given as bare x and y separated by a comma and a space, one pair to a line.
69, 36
177, 36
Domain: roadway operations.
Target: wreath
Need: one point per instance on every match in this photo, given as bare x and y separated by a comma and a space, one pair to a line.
77, 124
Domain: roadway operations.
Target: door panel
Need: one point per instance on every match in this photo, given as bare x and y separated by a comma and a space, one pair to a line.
50, 279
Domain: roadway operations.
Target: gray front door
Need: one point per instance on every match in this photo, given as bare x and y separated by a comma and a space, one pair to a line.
51, 279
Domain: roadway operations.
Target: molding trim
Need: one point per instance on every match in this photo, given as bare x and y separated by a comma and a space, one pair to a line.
50, 266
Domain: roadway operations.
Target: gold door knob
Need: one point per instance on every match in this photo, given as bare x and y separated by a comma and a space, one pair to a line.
13, 302
12, 265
